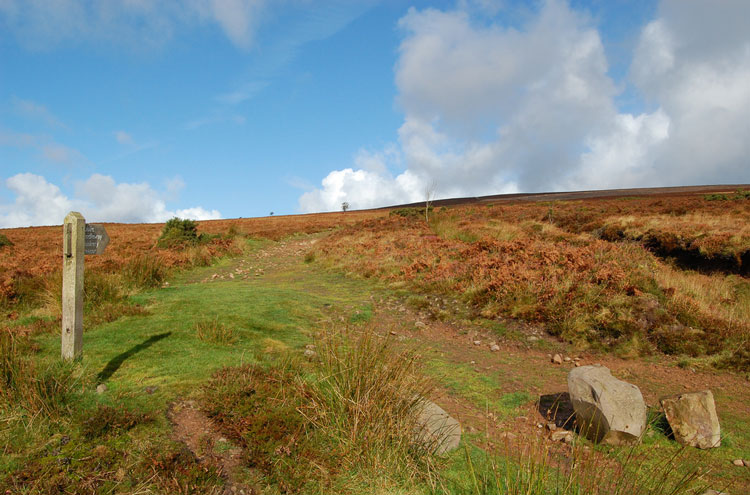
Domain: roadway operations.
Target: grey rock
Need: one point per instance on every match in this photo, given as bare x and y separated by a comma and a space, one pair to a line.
607, 410
562, 436
438, 431
693, 419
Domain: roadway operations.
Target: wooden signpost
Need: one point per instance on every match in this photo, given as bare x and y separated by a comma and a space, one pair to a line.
79, 239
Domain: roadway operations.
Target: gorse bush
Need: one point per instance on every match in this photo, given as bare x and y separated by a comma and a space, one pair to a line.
179, 232
4, 241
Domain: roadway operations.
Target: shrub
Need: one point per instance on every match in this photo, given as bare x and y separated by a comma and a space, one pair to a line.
178, 232
4, 241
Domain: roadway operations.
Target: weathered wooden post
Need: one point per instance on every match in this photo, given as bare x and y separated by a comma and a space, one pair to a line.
78, 239
72, 290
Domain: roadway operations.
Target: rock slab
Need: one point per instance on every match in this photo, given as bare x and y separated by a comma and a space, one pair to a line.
692, 417
439, 432
607, 410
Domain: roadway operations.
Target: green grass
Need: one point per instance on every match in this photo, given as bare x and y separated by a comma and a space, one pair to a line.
481, 389
118, 441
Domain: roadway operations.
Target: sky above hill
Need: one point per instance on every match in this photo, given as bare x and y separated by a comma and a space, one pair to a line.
140, 110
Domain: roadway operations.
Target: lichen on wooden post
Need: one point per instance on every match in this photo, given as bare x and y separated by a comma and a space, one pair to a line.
72, 289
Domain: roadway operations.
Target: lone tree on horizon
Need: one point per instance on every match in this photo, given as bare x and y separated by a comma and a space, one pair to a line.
344, 206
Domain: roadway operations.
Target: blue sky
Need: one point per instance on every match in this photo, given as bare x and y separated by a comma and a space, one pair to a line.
141, 110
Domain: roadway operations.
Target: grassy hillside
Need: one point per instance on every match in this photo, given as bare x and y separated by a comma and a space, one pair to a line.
292, 355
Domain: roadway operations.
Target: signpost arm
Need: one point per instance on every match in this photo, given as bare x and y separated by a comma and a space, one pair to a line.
72, 290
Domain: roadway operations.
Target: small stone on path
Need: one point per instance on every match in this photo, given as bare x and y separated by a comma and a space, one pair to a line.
562, 436
557, 359
477, 342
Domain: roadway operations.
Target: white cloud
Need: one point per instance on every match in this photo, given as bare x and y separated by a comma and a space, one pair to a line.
49, 149
198, 213
34, 110
99, 198
123, 137
142, 23
492, 109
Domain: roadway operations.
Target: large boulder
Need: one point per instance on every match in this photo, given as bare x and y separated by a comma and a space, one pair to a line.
693, 419
608, 410
438, 432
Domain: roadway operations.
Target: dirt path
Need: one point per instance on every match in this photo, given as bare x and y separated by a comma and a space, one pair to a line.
193, 428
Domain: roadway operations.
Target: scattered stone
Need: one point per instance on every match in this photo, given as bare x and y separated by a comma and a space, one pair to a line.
508, 435
576, 364
231, 275
214, 276
738, 462
393, 332
473, 362
693, 419
747, 463
151, 389
420, 324
310, 346
608, 410
439, 432
309, 353
532, 338
562, 436
477, 342
551, 426
713, 492
539, 425
101, 388
557, 359
494, 348
567, 359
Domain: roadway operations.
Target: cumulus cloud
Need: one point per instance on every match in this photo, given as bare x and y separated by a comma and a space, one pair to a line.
491, 109
99, 198
41, 24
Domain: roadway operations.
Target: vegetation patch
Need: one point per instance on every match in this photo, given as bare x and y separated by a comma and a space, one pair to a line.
336, 426
180, 232
4, 241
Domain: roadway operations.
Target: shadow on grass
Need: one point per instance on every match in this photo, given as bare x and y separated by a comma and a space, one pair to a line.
115, 363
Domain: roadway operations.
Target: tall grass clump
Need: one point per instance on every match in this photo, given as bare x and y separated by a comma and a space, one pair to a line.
214, 331
145, 271
345, 422
45, 391
371, 396
537, 469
